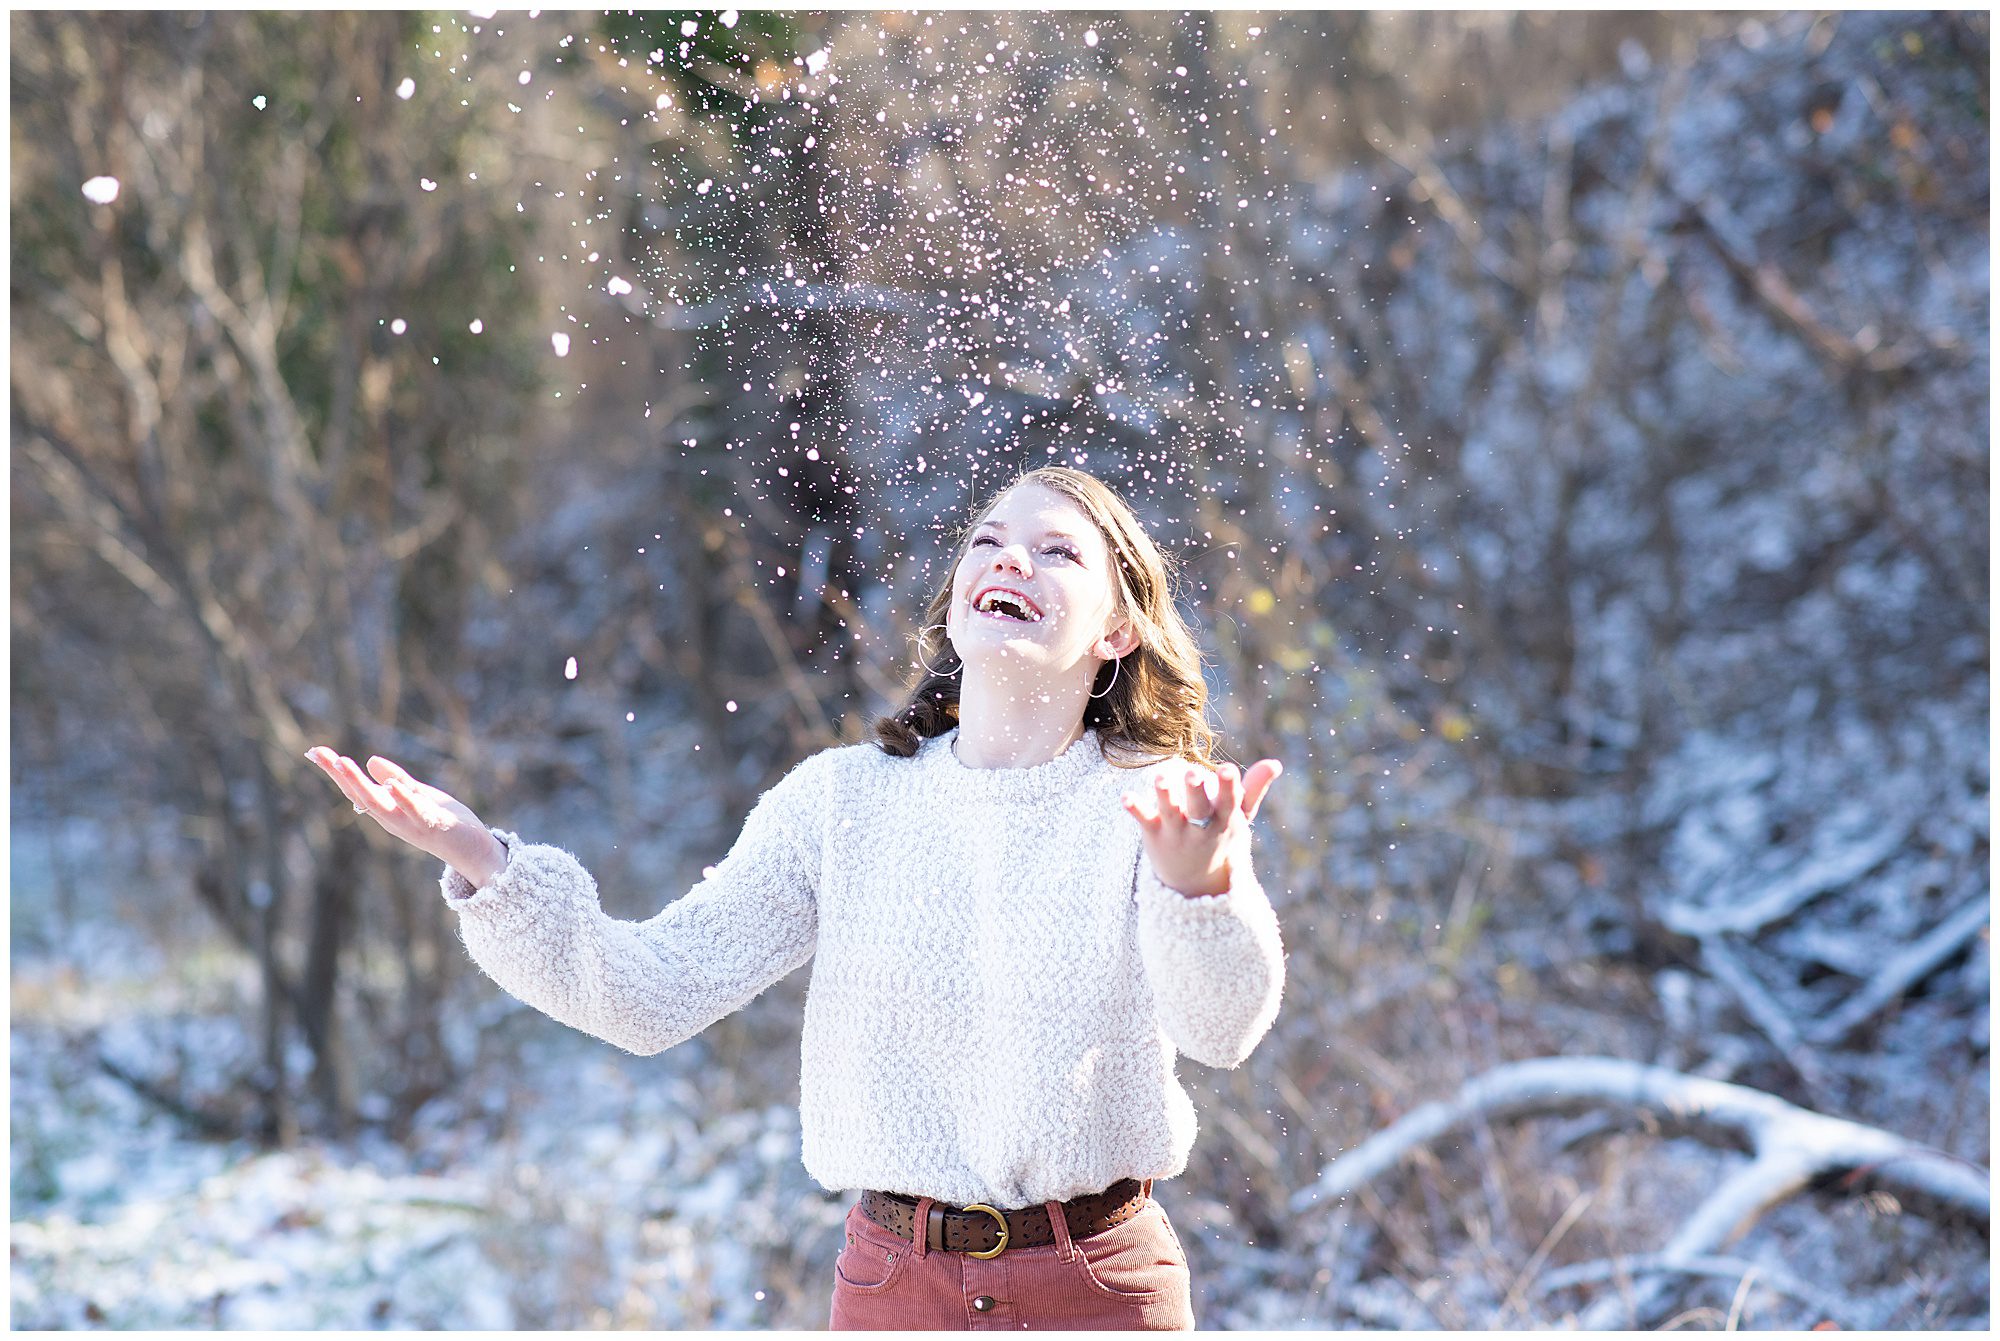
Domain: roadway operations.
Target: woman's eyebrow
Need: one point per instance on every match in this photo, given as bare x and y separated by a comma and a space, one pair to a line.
1001, 526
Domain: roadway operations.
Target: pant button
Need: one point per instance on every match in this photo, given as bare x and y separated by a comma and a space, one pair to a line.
984, 1303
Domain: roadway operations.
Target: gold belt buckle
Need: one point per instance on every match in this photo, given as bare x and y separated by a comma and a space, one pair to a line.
999, 1219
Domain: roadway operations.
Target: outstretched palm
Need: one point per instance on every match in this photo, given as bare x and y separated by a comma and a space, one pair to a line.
423, 816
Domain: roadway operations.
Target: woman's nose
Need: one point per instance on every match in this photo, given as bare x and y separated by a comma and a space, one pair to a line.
1006, 556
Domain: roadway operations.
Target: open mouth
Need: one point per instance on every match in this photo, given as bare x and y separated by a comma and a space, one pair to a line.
999, 604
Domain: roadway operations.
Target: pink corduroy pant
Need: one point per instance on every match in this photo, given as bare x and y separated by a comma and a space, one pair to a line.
1131, 1277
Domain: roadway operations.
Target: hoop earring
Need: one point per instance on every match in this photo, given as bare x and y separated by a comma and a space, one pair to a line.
1114, 677
928, 668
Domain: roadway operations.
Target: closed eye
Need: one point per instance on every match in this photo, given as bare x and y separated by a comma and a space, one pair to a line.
1063, 550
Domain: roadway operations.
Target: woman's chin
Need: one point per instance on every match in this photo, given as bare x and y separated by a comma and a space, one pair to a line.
1001, 632
1004, 655
1004, 660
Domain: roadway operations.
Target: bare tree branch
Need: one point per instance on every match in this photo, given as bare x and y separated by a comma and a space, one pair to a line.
102, 519
206, 1123
1773, 1019
1839, 862
1414, 158
1791, 1146
1907, 967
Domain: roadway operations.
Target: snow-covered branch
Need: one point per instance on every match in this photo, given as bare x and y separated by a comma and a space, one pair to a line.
1827, 1300
1564, 1084
1790, 1146
1907, 967
1835, 865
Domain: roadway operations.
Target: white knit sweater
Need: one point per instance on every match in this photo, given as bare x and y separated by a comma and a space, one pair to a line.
1000, 981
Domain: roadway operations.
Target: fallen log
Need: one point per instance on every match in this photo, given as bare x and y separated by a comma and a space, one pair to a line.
1790, 1147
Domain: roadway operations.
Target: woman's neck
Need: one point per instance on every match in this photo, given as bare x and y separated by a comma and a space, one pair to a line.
1008, 719
987, 742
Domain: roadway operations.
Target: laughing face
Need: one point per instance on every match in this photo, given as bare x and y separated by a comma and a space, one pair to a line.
1035, 592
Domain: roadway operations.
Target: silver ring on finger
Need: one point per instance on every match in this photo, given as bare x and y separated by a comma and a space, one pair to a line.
1203, 822
360, 809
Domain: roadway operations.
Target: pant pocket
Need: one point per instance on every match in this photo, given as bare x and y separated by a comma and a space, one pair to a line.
1139, 1259
866, 1266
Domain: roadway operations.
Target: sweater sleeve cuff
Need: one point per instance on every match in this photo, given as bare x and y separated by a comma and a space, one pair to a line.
1194, 916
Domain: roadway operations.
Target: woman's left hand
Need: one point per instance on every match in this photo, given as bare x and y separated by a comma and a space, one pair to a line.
1190, 858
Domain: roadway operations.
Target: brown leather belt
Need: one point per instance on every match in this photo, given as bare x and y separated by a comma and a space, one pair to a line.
977, 1229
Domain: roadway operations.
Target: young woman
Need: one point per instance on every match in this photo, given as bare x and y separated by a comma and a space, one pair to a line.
1004, 967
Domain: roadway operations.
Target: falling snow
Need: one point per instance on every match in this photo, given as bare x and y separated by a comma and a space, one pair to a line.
866, 276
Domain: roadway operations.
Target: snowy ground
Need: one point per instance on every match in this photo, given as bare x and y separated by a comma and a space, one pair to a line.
571, 1185
604, 1200
582, 1188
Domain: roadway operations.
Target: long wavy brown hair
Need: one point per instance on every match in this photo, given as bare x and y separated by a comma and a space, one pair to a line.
1155, 708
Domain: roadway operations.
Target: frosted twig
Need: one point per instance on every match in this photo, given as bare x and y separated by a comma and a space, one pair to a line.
1389, 1302
1832, 1303
1742, 1197
1792, 1146
1905, 969
1818, 873
1762, 1008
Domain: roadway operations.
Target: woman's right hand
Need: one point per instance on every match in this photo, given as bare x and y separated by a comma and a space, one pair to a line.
416, 812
